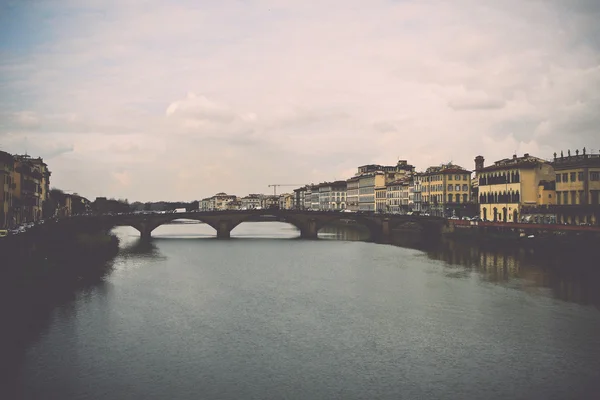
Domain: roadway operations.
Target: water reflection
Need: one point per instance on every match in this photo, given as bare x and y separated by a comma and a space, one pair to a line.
571, 277
350, 232
29, 306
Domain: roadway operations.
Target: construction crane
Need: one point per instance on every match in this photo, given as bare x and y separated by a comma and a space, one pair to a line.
275, 185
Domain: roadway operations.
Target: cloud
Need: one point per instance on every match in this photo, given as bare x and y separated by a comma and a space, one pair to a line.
475, 103
289, 91
198, 110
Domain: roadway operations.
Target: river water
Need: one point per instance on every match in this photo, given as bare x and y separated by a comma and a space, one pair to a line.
267, 316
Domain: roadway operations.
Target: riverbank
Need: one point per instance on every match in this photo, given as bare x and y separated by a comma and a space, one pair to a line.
55, 253
552, 241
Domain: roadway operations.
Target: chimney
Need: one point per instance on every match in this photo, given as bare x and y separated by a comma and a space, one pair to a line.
479, 160
526, 155
515, 156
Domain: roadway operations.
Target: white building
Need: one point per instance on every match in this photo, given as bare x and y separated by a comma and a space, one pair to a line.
337, 198
251, 202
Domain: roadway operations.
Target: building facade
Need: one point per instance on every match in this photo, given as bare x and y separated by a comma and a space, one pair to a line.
324, 196
512, 185
393, 202
299, 195
7, 167
577, 188
417, 194
308, 197
352, 193
250, 202
337, 199
367, 184
445, 191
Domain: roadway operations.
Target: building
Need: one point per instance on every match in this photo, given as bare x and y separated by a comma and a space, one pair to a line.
205, 204
308, 197
393, 202
417, 195
407, 196
28, 201
286, 201
372, 181
219, 202
392, 172
299, 195
270, 201
315, 203
352, 193
337, 199
577, 188
513, 185
251, 202
7, 167
445, 191
324, 196
367, 183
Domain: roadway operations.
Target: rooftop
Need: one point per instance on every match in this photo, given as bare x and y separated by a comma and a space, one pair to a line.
577, 160
527, 161
445, 169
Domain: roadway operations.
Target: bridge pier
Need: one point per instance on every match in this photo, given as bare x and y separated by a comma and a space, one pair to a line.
223, 229
146, 234
309, 230
145, 229
386, 229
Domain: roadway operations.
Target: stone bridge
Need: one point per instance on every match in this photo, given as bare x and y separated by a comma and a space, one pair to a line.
308, 223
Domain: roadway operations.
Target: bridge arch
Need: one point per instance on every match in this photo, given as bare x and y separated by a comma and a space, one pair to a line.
307, 222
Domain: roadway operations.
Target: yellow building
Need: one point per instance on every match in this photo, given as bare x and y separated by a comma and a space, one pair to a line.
512, 185
381, 198
7, 186
286, 201
446, 191
577, 188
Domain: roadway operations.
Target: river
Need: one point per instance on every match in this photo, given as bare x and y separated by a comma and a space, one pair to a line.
268, 316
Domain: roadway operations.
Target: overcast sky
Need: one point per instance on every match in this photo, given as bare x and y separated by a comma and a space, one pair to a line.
178, 100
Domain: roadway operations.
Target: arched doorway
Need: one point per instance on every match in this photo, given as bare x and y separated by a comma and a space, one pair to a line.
495, 214
515, 216
485, 214
504, 214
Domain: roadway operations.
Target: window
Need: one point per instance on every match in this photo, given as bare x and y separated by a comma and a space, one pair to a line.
565, 197
580, 176
465, 188
458, 188
595, 176
465, 177
465, 198
457, 177
449, 177
557, 178
449, 198
565, 177
573, 176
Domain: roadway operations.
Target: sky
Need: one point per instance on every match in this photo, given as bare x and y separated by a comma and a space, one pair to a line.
177, 100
